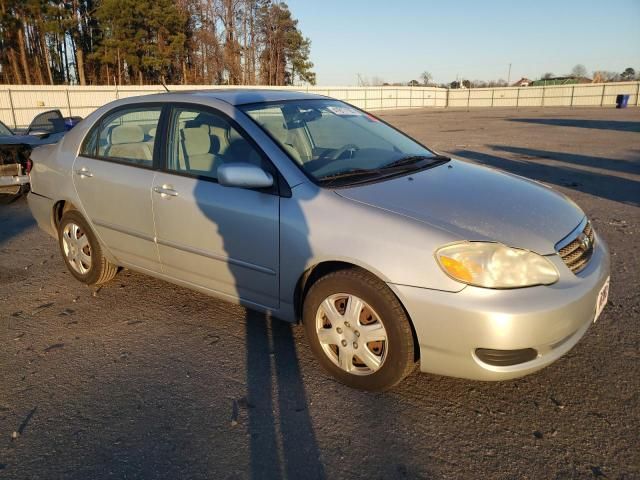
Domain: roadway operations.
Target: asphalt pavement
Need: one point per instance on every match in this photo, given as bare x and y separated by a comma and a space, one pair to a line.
143, 379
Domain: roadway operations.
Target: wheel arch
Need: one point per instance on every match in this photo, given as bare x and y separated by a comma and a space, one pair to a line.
59, 208
319, 270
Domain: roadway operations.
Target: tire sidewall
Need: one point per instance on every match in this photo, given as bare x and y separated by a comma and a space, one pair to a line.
92, 276
394, 365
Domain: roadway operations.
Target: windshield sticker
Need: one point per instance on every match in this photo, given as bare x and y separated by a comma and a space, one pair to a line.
344, 111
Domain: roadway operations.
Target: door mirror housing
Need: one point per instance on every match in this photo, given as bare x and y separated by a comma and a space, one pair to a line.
244, 175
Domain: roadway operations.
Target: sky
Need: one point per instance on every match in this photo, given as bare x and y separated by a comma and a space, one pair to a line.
398, 40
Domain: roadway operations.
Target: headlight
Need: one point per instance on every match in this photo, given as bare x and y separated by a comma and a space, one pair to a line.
493, 265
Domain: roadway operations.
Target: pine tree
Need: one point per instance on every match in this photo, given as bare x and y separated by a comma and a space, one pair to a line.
145, 41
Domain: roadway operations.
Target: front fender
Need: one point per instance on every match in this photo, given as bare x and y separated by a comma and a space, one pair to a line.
317, 226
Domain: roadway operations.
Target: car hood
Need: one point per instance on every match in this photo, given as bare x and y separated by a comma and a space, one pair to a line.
477, 203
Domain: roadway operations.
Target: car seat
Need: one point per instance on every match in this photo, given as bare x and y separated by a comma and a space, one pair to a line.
127, 141
199, 149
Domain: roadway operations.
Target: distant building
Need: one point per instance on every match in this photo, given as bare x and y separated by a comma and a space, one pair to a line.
523, 82
560, 81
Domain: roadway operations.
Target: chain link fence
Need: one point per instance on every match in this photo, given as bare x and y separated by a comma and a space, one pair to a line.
19, 104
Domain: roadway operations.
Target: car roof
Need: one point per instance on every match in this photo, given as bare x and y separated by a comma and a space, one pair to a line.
243, 96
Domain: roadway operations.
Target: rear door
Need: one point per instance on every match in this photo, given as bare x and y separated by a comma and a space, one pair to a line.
113, 177
225, 239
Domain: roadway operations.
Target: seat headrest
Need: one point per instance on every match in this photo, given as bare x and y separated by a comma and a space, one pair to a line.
196, 140
152, 132
206, 119
126, 134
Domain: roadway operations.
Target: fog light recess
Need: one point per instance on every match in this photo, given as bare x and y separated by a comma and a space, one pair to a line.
506, 358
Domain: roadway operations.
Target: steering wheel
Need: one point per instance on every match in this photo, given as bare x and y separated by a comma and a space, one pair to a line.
349, 147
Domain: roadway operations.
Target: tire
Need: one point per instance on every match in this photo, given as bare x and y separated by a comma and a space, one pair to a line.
97, 269
382, 363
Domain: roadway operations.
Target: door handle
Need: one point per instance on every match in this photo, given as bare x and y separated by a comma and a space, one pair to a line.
83, 172
165, 191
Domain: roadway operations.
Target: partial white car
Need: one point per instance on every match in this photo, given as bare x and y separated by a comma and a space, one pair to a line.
47, 127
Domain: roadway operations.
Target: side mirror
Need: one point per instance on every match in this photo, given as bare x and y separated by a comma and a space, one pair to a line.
39, 133
245, 175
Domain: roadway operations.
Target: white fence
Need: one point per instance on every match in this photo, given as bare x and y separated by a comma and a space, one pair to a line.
19, 104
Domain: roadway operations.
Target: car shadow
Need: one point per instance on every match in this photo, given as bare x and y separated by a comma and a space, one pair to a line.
15, 218
272, 364
610, 187
282, 438
613, 164
617, 125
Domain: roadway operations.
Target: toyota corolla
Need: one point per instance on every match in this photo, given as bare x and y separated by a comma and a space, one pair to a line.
311, 210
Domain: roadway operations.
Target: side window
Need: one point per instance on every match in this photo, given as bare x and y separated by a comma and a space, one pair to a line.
127, 136
200, 142
90, 143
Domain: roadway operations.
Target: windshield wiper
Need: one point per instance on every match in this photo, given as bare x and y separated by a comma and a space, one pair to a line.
399, 166
414, 159
355, 172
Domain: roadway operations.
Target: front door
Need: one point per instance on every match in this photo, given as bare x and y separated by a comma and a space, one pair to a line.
225, 239
113, 177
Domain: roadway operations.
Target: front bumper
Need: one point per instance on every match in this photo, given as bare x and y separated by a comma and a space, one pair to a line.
551, 319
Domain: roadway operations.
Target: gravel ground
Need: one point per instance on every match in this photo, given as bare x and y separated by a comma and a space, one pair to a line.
143, 379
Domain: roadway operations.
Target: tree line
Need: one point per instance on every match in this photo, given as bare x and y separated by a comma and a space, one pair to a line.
579, 72
107, 42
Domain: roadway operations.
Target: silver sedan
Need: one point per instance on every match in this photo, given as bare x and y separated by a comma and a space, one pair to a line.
309, 209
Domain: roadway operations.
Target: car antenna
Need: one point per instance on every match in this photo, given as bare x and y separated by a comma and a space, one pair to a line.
164, 84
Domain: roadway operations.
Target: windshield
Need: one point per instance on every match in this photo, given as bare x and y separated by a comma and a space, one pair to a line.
330, 139
4, 130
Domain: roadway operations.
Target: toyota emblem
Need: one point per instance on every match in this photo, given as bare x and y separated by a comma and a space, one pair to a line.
585, 242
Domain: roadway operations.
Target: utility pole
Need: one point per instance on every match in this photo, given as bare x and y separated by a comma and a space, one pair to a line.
509, 76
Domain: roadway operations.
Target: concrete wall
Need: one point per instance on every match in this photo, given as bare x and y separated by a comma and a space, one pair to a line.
19, 104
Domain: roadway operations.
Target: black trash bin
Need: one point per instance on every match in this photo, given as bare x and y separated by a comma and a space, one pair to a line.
622, 101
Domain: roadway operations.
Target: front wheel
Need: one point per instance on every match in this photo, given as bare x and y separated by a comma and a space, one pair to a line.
81, 250
358, 330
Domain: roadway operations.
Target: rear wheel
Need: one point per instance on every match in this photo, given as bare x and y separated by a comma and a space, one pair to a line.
81, 250
358, 330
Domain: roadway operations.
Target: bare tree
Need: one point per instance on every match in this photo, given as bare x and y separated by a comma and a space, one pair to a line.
426, 78
606, 76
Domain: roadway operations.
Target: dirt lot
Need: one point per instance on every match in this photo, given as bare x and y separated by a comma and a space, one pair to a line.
147, 380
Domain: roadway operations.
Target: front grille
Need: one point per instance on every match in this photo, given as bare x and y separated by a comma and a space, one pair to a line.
577, 253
